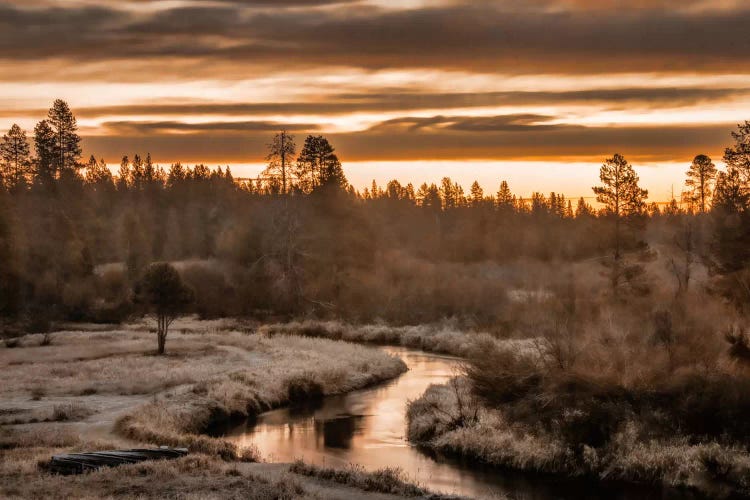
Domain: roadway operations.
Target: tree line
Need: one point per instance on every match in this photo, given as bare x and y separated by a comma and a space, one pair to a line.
299, 239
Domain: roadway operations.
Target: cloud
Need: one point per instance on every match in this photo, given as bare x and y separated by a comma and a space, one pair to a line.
501, 123
495, 138
400, 100
546, 37
228, 127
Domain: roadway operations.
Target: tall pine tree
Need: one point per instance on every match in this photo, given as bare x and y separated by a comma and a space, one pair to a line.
67, 141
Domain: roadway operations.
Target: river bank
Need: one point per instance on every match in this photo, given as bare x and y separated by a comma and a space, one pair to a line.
490, 438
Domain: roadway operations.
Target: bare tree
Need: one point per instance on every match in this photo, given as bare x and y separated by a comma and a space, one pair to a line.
681, 264
280, 150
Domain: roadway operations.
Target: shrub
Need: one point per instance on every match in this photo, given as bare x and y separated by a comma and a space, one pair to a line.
302, 388
70, 412
12, 343
500, 375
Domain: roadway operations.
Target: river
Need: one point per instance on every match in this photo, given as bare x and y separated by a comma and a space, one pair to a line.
368, 428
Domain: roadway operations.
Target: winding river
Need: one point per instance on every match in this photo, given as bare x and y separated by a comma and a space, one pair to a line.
368, 427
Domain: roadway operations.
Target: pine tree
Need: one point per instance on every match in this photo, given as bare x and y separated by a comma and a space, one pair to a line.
730, 195
176, 175
375, 191
672, 209
14, 153
149, 171
569, 210
67, 141
44, 147
136, 172
318, 165
619, 193
477, 194
504, 198
124, 175
409, 192
429, 197
98, 174
448, 193
731, 222
701, 176
738, 156
583, 209
394, 190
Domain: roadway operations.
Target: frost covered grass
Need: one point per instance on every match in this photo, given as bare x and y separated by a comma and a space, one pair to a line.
211, 374
440, 338
278, 371
389, 480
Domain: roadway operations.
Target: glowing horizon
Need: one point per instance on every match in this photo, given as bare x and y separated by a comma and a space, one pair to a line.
407, 90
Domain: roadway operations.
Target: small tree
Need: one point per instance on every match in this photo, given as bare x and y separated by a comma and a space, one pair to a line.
162, 291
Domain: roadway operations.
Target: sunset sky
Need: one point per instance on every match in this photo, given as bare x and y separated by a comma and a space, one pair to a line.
538, 92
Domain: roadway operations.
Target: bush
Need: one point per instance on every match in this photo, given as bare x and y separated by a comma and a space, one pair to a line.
12, 343
500, 375
70, 412
302, 389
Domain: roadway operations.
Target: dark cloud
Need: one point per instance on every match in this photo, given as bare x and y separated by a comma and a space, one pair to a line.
428, 143
542, 38
160, 127
502, 123
399, 100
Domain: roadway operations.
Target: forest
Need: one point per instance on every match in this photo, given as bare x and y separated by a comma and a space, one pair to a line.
299, 241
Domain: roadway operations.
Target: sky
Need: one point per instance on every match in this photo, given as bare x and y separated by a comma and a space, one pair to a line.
538, 92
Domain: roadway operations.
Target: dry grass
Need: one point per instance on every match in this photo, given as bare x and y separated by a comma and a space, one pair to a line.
389, 480
441, 338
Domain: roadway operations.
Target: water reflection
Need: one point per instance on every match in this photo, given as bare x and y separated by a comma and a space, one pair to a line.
368, 428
